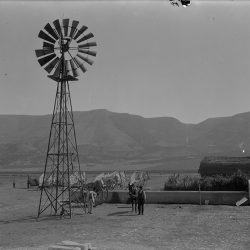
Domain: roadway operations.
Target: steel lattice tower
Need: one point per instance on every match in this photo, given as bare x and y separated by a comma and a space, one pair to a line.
62, 179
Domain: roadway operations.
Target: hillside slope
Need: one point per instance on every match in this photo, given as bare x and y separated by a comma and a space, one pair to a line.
119, 139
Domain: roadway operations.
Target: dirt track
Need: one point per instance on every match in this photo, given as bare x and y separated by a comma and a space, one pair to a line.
113, 226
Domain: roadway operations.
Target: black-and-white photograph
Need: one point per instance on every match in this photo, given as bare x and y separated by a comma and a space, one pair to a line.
125, 124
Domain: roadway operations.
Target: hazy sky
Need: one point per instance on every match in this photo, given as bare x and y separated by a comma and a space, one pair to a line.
152, 59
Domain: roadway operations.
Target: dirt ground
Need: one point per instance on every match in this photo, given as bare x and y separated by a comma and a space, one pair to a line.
113, 226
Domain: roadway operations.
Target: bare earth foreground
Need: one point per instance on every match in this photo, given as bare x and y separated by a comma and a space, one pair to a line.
113, 226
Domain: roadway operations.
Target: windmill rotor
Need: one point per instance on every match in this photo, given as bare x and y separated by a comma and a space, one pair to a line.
66, 48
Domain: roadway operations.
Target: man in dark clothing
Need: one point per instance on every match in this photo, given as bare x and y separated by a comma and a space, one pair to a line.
141, 200
133, 197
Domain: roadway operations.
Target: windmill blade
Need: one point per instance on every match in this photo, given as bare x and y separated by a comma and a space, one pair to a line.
66, 26
86, 59
73, 28
88, 52
43, 52
46, 37
50, 30
80, 64
74, 68
87, 45
51, 65
46, 59
58, 69
48, 46
80, 31
88, 36
75, 72
58, 27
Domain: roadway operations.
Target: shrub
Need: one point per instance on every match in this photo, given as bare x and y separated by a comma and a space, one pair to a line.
180, 182
235, 182
239, 180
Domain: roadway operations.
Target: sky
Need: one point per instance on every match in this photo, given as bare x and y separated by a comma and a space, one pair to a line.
153, 59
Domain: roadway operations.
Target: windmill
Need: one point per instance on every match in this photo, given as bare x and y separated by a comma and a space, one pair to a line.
66, 49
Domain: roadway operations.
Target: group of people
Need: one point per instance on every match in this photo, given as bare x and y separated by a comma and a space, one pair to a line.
137, 198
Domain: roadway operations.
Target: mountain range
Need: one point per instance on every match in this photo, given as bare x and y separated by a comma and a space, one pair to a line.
109, 140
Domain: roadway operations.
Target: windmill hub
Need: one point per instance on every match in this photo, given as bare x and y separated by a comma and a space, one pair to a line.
65, 46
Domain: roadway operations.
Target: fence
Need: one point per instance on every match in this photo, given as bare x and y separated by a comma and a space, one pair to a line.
183, 197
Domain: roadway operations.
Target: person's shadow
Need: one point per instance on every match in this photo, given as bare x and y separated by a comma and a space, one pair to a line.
123, 213
24, 219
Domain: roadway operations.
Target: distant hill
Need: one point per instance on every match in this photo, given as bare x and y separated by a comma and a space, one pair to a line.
123, 141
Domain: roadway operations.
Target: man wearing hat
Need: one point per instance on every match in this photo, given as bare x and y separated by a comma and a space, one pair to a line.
141, 200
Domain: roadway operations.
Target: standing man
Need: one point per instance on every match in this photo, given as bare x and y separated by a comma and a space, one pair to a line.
91, 200
133, 197
141, 200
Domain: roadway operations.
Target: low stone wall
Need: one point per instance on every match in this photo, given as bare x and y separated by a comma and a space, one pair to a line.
183, 197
